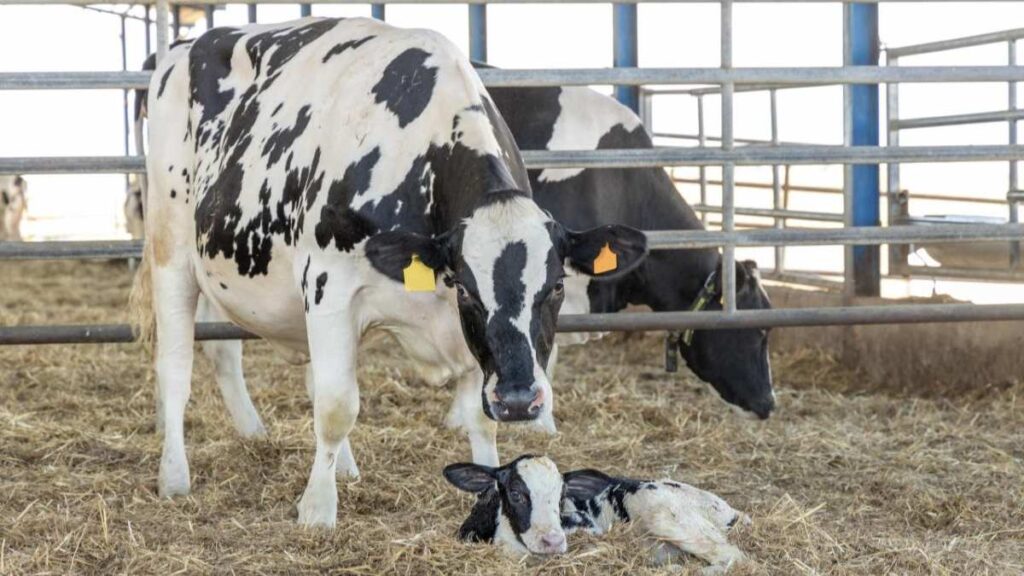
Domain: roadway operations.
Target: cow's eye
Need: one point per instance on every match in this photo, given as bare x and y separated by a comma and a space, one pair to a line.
462, 293
559, 290
516, 497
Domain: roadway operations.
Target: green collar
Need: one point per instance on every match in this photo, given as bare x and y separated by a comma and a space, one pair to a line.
707, 293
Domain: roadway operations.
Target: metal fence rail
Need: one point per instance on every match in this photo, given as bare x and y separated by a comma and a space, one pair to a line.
292, 2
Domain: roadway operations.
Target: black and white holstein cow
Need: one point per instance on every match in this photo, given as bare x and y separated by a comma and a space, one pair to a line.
299, 172
735, 362
517, 506
13, 205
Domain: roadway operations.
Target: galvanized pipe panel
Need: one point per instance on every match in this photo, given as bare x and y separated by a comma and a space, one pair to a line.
955, 43
817, 76
638, 321
204, 2
958, 119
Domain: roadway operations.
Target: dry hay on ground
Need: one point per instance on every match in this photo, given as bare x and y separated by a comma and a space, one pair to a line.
839, 482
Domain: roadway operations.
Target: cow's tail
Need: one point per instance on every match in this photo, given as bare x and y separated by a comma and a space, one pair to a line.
140, 301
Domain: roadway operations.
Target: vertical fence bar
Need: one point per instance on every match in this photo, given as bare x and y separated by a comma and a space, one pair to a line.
624, 41
161, 29
209, 10
124, 93
728, 169
147, 22
177, 21
863, 51
702, 141
305, 10
894, 198
849, 285
252, 13
1014, 184
778, 202
478, 32
378, 11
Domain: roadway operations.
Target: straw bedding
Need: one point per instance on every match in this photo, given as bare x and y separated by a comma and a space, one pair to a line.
842, 480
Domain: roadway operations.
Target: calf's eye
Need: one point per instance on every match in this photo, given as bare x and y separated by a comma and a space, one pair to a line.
516, 497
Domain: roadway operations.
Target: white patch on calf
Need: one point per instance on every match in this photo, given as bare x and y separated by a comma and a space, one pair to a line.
545, 484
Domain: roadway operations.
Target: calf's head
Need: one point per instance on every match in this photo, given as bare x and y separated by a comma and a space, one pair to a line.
734, 362
518, 504
506, 263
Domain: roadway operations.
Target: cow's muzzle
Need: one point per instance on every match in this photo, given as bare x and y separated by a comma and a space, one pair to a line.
517, 403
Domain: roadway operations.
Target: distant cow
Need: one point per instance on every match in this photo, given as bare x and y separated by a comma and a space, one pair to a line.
133, 213
299, 173
13, 205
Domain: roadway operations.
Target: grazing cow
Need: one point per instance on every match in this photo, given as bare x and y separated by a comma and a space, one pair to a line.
518, 505
300, 173
734, 362
680, 518
13, 205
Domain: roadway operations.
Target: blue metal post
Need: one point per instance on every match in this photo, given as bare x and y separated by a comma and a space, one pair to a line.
305, 10
863, 50
624, 43
209, 16
478, 32
377, 10
252, 13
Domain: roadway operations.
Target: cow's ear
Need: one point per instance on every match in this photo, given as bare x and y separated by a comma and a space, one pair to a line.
606, 252
391, 252
470, 477
585, 484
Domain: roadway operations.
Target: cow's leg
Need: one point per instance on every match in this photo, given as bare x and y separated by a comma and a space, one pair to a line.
174, 302
226, 356
346, 463
546, 420
333, 340
467, 413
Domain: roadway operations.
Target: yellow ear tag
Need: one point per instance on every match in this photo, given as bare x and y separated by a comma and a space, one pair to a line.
606, 260
418, 276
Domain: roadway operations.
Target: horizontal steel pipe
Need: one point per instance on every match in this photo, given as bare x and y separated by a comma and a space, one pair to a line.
613, 158
73, 165
619, 76
656, 240
76, 250
957, 119
639, 321
73, 80
772, 213
955, 43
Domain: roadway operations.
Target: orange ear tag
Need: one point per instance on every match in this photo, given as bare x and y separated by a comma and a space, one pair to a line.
606, 260
418, 276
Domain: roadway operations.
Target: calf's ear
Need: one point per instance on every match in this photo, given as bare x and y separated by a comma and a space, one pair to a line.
391, 252
606, 252
470, 477
585, 484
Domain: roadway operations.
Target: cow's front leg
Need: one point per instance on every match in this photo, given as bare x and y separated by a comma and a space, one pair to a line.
546, 419
346, 463
467, 413
333, 340
226, 356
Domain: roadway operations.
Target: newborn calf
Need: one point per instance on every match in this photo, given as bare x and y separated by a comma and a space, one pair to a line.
527, 507
518, 505
681, 518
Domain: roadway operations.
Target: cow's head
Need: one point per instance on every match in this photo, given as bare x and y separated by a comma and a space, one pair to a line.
519, 504
734, 362
506, 263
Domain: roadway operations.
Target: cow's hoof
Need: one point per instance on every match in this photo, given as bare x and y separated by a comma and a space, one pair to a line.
318, 508
254, 430
174, 481
347, 472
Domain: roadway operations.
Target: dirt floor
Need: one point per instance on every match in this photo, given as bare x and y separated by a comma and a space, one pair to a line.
841, 481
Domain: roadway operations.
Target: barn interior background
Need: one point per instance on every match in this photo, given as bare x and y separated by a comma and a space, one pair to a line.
809, 134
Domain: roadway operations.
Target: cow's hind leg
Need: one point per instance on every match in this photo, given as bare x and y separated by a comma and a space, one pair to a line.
174, 301
467, 413
333, 340
226, 356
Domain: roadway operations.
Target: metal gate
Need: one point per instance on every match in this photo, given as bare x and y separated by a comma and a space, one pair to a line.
727, 78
